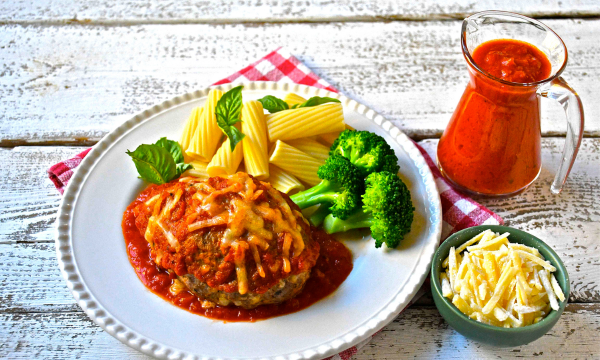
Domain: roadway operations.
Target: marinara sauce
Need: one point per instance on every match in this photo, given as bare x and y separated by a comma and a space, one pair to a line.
333, 266
492, 144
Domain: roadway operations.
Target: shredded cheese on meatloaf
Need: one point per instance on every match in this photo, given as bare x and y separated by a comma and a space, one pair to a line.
242, 210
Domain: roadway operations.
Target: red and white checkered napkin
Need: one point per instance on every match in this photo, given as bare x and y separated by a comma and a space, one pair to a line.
61, 173
459, 211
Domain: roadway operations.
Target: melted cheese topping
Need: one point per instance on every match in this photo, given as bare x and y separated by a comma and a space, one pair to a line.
217, 220
287, 243
176, 287
171, 204
149, 234
170, 237
245, 219
256, 256
152, 199
239, 259
157, 220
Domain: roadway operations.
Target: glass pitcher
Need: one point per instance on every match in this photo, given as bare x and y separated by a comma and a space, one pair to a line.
492, 144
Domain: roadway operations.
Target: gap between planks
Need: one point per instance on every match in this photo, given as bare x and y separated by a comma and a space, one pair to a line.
259, 22
136, 12
13, 143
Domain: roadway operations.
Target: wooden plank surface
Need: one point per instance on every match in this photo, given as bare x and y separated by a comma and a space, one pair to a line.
279, 11
423, 333
72, 84
418, 332
570, 223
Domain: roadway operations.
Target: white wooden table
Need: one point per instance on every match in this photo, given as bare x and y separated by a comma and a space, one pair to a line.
72, 71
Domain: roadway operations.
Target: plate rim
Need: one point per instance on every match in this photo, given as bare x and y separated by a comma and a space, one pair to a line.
131, 338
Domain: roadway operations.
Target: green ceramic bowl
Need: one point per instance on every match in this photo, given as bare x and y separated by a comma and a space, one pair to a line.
489, 334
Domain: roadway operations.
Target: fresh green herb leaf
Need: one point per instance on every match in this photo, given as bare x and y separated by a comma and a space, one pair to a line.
235, 136
273, 104
316, 100
154, 163
228, 111
181, 168
173, 147
159, 163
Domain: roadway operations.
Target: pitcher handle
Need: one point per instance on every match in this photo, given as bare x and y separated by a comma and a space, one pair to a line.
560, 91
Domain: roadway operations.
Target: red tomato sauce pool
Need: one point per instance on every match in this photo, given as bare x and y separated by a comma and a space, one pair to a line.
332, 268
512, 60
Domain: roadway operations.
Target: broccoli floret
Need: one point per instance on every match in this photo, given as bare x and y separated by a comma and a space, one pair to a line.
387, 210
368, 151
340, 188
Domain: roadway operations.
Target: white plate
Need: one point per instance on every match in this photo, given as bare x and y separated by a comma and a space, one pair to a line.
93, 259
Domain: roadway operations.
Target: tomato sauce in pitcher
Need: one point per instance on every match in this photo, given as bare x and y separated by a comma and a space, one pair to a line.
492, 144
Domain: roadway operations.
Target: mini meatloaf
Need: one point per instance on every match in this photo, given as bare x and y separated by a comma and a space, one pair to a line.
233, 240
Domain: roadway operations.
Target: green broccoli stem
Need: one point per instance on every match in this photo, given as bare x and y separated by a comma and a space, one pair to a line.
318, 216
358, 220
324, 192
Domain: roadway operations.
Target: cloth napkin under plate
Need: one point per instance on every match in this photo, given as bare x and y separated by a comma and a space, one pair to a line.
458, 211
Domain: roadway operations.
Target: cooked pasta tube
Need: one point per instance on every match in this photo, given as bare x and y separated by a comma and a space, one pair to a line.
225, 162
256, 153
190, 127
292, 99
312, 147
206, 138
328, 138
198, 171
283, 181
296, 162
304, 122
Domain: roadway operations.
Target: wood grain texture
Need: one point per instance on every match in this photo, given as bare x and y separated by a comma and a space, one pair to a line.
28, 199
31, 280
569, 223
423, 333
72, 84
279, 10
418, 332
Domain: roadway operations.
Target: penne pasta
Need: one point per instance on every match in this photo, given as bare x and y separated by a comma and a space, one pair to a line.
304, 122
190, 128
282, 181
292, 99
296, 162
208, 134
225, 162
311, 147
329, 138
256, 153
198, 171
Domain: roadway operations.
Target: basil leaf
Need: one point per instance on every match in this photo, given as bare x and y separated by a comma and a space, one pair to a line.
228, 111
173, 147
154, 163
181, 167
273, 104
235, 136
316, 100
